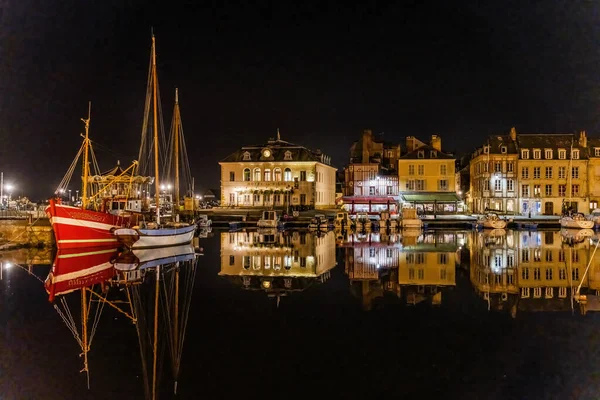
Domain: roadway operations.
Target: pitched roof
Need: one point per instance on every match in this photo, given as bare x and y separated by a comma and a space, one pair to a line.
427, 152
278, 148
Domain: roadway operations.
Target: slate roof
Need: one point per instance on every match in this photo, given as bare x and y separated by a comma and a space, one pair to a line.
530, 141
427, 154
278, 149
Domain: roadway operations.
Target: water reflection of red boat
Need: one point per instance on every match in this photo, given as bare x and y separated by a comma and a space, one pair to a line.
75, 269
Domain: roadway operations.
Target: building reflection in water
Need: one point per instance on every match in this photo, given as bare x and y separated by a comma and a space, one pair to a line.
413, 266
277, 262
533, 271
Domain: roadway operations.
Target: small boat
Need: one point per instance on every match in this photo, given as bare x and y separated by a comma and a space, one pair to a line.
203, 221
410, 220
343, 221
320, 222
491, 221
575, 236
576, 221
269, 219
363, 222
386, 221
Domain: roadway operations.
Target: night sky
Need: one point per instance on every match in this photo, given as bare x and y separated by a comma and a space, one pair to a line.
320, 73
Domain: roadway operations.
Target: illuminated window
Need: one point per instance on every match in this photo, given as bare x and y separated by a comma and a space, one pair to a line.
562, 154
287, 175
277, 174
575, 154
246, 174
267, 175
247, 156
548, 154
525, 154
257, 174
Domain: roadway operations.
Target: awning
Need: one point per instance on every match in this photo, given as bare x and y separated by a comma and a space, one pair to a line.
368, 199
431, 197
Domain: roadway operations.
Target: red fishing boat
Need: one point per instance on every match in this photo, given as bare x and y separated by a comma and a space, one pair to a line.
109, 200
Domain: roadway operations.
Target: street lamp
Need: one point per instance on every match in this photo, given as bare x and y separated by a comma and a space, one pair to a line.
9, 188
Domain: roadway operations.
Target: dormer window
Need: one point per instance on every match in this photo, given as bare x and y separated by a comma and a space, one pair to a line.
537, 154
575, 154
503, 149
525, 154
548, 154
486, 149
433, 154
421, 154
562, 154
247, 156
287, 156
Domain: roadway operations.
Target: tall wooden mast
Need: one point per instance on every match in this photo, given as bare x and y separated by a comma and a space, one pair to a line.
86, 168
155, 128
176, 124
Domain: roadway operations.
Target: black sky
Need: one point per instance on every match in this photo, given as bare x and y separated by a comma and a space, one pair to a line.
320, 73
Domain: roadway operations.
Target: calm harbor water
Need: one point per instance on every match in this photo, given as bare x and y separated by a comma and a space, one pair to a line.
444, 313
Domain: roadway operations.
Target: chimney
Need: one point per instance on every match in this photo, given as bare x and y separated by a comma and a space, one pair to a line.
582, 139
367, 139
436, 142
410, 143
513, 134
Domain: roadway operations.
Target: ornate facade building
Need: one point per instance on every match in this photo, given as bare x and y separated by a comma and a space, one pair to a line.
532, 174
277, 174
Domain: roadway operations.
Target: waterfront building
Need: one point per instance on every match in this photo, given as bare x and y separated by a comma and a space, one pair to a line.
427, 177
277, 174
371, 178
493, 175
531, 174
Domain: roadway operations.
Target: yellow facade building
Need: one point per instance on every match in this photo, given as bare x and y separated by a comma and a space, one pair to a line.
427, 179
277, 174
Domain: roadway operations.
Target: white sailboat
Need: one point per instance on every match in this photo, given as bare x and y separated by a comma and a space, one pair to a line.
155, 234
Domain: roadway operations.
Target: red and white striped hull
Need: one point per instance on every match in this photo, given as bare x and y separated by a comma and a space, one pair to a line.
77, 228
75, 269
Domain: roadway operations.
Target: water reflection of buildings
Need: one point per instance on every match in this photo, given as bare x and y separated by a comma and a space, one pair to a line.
415, 267
532, 271
277, 262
